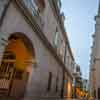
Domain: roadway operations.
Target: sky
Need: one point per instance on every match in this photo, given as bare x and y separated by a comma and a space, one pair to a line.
80, 25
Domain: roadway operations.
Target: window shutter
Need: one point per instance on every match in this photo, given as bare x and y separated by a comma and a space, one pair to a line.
40, 4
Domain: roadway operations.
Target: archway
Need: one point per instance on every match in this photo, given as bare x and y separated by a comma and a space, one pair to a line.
16, 65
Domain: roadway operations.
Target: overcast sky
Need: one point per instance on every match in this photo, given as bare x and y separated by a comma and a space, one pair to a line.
80, 25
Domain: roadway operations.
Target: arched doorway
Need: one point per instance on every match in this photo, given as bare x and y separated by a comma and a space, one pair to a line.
16, 65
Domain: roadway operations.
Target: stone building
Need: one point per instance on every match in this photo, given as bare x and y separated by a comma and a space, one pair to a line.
36, 60
92, 79
77, 80
95, 60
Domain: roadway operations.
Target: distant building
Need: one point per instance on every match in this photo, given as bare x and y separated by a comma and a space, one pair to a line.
77, 80
92, 79
95, 61
36, 60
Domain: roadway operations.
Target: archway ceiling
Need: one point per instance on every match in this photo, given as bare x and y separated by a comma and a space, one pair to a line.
23, 56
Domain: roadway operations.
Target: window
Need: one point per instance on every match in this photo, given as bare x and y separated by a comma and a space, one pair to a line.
9, 56
7, 65
56, 39
57, 84
34, 9
41, 4
31, 6
3, 68
49, 81
77, 69
34, 6
62, 49
68, 59
59, 4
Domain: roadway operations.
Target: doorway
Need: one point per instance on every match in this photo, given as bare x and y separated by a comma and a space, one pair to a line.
16, 65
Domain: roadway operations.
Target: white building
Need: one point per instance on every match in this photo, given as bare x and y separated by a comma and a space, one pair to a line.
95, 60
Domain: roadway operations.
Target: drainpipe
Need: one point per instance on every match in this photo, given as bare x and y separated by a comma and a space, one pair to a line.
62, 89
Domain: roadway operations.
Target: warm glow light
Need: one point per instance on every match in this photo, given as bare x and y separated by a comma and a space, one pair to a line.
17, 65
81, 93
69, 89
23, 56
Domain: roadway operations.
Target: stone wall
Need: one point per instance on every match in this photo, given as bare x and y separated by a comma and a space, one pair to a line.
37, 86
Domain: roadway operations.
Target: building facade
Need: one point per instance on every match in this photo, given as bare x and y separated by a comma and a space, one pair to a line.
95, 61
92, 79
36, 60
77, 81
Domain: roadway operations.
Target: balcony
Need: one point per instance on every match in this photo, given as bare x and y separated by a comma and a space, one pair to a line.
32, 10
57, 4
56, 7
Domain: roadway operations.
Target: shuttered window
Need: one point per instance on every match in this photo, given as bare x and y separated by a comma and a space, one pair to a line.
49, 81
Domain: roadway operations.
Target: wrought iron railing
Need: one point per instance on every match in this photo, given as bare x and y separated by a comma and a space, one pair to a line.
31, 10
